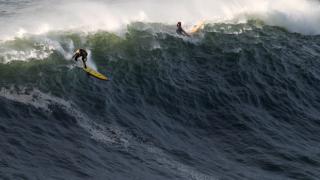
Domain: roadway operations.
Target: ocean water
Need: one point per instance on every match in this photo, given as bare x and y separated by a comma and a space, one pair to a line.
239, 100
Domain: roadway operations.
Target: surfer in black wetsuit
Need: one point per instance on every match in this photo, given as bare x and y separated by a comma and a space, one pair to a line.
180, 31
81, 53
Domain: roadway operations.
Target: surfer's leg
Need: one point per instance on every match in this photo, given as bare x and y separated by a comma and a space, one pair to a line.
76, 57
84, 62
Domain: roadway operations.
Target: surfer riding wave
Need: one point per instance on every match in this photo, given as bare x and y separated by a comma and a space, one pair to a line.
81, 53
180, 31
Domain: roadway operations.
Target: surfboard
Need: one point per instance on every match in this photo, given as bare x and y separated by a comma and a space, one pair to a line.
95, 74
197, 27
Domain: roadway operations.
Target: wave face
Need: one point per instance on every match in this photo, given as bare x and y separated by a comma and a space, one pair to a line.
234, 102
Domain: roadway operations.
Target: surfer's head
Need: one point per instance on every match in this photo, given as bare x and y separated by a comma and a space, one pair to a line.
179, 24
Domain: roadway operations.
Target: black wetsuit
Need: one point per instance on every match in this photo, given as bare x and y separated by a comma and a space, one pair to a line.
180, 31
83, 54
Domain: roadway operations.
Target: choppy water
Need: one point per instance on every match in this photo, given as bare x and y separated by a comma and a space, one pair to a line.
236, 101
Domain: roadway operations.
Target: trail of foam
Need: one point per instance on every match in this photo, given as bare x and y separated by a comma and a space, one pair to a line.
108, 135
38, 99
32, 97
183, 170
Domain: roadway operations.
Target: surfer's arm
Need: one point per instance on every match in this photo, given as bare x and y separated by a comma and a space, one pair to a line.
75, 56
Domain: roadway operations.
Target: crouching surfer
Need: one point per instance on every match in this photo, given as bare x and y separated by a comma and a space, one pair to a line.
180, 31
81, 53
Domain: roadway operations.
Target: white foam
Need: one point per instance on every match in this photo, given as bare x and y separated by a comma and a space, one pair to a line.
90, 61
14, 55
301, 16
41, 48
297, 15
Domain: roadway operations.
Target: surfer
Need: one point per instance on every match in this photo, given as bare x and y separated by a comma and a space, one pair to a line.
81, 53
180, 31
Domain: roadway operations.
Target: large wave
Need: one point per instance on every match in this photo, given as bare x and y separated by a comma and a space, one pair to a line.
236, 101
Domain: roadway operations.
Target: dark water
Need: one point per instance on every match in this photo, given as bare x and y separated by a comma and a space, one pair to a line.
235, 102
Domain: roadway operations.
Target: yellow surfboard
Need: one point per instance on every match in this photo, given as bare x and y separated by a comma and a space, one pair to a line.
197, 27
95, 74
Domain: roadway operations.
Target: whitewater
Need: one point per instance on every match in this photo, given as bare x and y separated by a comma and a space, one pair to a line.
37, 17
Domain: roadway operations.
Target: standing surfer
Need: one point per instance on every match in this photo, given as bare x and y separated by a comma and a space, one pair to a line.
81, 53
181, 31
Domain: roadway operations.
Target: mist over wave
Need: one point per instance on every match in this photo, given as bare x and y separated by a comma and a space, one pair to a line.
36, 17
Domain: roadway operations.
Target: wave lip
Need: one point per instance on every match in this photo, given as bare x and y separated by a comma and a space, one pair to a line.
300, 16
